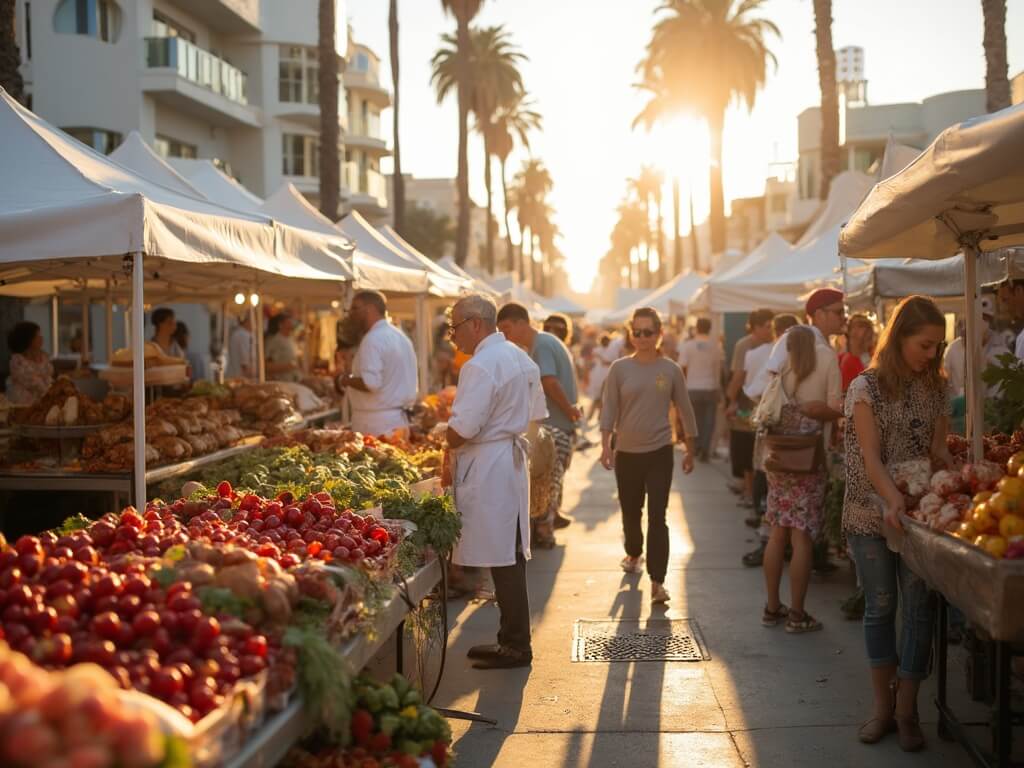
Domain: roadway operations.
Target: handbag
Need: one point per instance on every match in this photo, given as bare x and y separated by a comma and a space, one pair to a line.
791, 454
768, 412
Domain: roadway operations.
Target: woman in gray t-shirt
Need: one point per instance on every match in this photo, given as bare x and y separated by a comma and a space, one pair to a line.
635, 410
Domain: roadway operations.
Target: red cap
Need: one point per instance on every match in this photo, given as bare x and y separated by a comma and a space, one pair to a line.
822, 297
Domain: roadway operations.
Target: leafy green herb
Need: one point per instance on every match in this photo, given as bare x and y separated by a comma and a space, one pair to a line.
74, 523
324, 680
1005, 411
220, 600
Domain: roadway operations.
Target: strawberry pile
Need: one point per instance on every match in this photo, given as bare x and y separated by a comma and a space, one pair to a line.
288, 530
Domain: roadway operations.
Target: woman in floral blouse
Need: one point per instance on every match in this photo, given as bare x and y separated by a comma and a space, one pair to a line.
896, 411
31, 370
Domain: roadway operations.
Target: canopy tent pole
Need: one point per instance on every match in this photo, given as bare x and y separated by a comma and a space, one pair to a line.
86, 329
138, 382
108, 323
423, 342
261, 362
306, 366
224, 340
54, 325
973, 337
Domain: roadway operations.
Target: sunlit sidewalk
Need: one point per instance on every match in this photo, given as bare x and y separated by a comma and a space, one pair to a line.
763, 698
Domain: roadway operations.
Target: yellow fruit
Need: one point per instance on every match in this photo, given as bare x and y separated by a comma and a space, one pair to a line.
999, 505
982, 518
1016, 463
967, 531
1011, 525
1013, 487
996, 546
981, 497
980, 541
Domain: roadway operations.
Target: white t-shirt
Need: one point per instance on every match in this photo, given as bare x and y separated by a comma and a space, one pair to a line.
701, 360
386, 362
241, 352
753, 363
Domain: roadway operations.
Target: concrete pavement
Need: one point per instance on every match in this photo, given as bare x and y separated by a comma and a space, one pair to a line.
763, 699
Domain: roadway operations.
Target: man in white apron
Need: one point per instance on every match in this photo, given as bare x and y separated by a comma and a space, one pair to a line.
383, 383
499, 393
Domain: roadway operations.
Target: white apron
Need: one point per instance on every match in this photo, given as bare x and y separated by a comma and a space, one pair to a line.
491, 485
379, 422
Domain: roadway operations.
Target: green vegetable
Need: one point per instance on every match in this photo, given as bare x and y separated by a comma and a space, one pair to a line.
220, 600
74, 523
324, 681
373, 700
389, 724
388, 698
400, 684
411, 697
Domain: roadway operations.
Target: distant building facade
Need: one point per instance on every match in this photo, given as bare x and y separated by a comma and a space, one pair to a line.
235, 81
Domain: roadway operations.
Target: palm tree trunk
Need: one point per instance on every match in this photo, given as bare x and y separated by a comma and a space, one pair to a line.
329, 162
489, 242
677, 242
829, 94
462, 226
397, 182
522, 254
694, 242
716, 124
663, 269
510, 254
10, 56
997, 86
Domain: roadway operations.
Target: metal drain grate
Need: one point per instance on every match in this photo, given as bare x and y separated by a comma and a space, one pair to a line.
638, 640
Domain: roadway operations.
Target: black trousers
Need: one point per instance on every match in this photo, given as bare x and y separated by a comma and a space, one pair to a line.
513, 601
649, 475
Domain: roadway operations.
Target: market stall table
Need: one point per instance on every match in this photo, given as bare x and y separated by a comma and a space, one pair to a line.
269, 745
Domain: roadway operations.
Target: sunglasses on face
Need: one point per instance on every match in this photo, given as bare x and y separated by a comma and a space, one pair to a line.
644, 333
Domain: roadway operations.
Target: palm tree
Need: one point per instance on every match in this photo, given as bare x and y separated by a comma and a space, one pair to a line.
997, 86
829, 94
330, 165
677, 240
704, 54
647, 188
463, 11
532, 185
397, 182
629, 232
511, 122
10, 57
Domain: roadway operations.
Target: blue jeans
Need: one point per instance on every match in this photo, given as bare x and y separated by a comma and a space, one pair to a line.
885, 578
705, 406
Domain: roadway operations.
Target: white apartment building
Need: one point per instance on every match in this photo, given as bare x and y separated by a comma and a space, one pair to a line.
865, 129
234, 81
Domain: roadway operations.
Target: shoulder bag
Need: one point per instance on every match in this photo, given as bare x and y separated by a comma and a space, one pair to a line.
792, 454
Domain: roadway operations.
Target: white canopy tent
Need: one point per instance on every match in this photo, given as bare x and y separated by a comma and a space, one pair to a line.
965, 193
844, 195
771, 250
137, 156
289, 205
673, 297
69, 214
388, 232
215, 185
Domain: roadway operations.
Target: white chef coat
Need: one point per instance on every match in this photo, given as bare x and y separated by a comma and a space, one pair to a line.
499, 394
241, 351
386, 362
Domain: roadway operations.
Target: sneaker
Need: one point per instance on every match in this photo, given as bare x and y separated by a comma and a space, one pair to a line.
658, 593
632, 564
505, 658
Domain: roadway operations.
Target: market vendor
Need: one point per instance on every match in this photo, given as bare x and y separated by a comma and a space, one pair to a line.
240, 350
499, 394
281, 352
382, 384
31, 369
164, 326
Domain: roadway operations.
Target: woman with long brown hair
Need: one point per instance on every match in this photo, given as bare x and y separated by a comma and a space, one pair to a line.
810, 381
896, 411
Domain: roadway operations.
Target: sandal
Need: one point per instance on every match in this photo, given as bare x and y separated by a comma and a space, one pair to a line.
806, 623
632, 564
772, 618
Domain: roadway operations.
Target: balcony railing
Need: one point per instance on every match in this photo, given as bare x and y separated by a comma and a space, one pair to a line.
366, 183
197, 66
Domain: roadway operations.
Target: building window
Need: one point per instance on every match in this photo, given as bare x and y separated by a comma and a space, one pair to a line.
298, 75
93, 18
168, 147
164, 26
300, 155
99, 139
361, 62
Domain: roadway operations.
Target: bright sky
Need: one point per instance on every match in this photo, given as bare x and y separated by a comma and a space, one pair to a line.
583, 55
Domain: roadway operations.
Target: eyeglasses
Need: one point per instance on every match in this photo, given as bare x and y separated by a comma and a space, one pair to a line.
644, 333
451, 328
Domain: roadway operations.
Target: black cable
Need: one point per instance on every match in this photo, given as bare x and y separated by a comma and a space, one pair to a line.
444, 624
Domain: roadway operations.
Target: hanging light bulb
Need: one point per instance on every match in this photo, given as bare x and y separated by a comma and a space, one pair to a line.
254, 299
335, 304
239, 298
